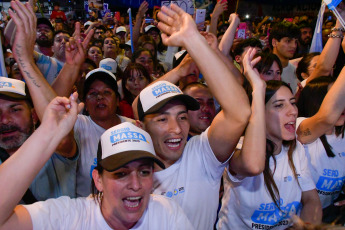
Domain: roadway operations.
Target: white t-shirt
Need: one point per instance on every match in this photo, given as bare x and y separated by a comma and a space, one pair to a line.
289, 77
193, 182
247, 203
84, 213
328, 172
87, 134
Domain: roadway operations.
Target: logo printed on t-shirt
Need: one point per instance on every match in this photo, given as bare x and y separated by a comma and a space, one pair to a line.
330, 181
270, 214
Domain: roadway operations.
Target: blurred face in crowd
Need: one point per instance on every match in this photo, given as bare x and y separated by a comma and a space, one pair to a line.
60, 41
15, 72
101, 101
58, 26
109, 46
306, 35
201, 119
122, 36
108, 33
145, 58
239, 58
150, 47
95, 54
273, 73
285, 48
16, 123
44, 35
99, 34
155, 35
136, 82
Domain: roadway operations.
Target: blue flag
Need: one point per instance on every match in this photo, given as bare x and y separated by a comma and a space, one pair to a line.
316, 44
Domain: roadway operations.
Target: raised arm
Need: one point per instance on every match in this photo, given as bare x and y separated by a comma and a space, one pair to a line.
138, 21
250, 160
40, 91
180, 30
328, 56
330, 110
21, 168
75, 57
220, 7
23, 46
213, 42
228, 38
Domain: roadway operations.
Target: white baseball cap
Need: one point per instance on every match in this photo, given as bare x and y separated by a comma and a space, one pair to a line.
123, 144
155, 96
13, 88
121, 29
108, 64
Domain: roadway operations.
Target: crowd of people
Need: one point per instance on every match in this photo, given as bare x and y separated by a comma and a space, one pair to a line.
174, 126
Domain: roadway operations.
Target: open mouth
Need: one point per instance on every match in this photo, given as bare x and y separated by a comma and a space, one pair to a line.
291, 126
132, 202
101, 106
173, 143
205, 117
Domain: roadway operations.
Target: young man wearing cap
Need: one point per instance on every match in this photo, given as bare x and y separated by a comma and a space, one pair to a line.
17, 124
44, 37
194, 169
111, 50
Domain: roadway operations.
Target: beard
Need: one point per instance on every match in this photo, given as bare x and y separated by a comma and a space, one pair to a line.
44, 42
15, 141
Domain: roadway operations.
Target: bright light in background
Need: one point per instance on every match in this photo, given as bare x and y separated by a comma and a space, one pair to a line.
247, 16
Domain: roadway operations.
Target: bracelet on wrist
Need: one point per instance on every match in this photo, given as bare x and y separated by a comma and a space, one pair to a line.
336, 36
338, 29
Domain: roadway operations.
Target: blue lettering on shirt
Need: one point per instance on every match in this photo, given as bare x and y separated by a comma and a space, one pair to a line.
269, 214
328, 184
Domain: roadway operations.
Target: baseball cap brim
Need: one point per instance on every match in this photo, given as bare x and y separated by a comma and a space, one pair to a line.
190, 102
119, 160
14, 95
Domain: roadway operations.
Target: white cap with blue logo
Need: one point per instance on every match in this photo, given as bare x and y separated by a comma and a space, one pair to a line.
108, 64
123, 144
155, 96
12, 88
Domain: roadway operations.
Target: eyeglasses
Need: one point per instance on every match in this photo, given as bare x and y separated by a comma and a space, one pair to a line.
94, 95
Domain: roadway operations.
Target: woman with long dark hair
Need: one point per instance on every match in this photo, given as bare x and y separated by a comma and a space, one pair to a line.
285, 187
135, 78
321, 128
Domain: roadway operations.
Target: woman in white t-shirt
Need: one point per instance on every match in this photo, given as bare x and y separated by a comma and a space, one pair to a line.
123, 180
320, 127
285, 188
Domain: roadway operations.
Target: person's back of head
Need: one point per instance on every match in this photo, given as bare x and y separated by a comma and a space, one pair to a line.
240, 49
